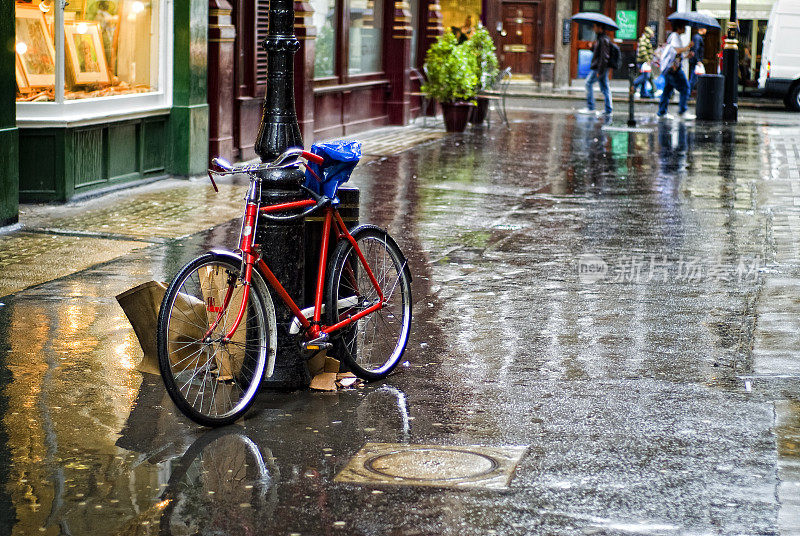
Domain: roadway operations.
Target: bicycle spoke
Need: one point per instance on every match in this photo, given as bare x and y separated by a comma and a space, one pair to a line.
190, 356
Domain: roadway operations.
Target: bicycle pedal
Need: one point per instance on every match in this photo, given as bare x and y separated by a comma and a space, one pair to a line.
315, 346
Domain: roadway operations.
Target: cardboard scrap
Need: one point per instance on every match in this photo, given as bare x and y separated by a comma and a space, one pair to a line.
324, 381
326, 376
331, 364
141, 305
317, 363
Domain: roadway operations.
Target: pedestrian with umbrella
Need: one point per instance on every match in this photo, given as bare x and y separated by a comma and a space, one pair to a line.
672, 69
703, 23
601, 59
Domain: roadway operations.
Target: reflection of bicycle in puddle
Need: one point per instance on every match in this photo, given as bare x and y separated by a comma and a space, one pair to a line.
226, 483
221, 485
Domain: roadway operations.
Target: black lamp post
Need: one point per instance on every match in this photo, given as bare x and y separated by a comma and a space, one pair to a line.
279, 129
730, 68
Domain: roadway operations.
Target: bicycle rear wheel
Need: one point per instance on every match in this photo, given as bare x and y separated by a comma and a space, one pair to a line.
214, 381
373, 345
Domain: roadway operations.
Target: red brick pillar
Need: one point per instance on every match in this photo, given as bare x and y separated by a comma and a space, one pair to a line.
306, 33
221, 35
397, 54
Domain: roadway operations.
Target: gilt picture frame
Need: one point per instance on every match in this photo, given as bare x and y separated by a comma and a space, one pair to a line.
34, 47
85, 54
22, 82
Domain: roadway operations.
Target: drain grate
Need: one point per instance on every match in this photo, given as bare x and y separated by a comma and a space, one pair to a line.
433, 465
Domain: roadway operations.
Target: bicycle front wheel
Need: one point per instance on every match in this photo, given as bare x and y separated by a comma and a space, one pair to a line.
214, 380
373, 345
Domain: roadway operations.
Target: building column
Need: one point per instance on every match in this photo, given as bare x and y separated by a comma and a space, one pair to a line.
189, 116
656, 12
9, 137
396, 54
562, 54
221, 36
306, 33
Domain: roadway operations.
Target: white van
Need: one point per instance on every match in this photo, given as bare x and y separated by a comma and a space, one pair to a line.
780, 55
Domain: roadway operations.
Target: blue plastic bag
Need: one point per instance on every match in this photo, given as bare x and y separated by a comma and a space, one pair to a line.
340, 157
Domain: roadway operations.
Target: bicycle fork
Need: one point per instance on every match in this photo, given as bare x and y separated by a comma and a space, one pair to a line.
246, 237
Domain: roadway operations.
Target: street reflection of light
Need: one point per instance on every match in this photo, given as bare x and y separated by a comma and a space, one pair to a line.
163, 504
22, 48
124, 352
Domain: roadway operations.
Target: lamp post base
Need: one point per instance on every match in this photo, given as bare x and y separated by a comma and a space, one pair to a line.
730, 67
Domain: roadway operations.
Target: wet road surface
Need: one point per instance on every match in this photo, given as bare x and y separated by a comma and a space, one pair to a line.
623, 304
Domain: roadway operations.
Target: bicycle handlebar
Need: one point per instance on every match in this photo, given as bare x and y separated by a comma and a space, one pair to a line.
290, 158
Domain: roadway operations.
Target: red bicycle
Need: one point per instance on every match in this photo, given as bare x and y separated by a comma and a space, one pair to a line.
216, 326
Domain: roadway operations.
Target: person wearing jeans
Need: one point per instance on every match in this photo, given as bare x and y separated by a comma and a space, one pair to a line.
603, 82
599, 70
674, 77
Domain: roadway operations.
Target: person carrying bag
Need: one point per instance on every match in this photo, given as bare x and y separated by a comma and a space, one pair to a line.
674, 77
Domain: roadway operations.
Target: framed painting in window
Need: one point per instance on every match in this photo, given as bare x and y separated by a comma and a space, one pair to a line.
34, 47
22, 82
85, 55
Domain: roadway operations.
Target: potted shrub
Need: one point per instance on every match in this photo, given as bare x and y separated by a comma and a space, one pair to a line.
452, 80
482, 46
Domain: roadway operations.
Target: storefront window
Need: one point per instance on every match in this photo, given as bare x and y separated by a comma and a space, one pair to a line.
325, 21
585, 30
111, 48
365, 36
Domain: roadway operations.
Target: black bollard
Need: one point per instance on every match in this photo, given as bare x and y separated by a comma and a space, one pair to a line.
283, 244
278, 131
631, 92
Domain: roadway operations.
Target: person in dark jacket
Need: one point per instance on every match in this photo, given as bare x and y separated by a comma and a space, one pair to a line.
601, 53
697, 53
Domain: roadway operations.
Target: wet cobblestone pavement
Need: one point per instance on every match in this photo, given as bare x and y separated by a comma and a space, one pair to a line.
622, 303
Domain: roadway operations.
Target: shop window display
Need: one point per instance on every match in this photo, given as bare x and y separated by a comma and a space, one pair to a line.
325, 21
111, 48
365, 36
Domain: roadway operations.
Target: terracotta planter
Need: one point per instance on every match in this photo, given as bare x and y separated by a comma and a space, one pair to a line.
480, 111
456, 115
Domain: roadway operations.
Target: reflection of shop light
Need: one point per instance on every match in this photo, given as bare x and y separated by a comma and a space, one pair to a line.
81, 27
45, 5
137, 7
22, 48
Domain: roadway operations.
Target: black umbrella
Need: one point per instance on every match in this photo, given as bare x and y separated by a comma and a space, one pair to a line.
693, 18
593, 18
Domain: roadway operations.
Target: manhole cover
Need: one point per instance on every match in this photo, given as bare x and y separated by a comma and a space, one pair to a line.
433, 465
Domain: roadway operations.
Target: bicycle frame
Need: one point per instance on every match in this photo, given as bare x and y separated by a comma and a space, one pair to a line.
251, 259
